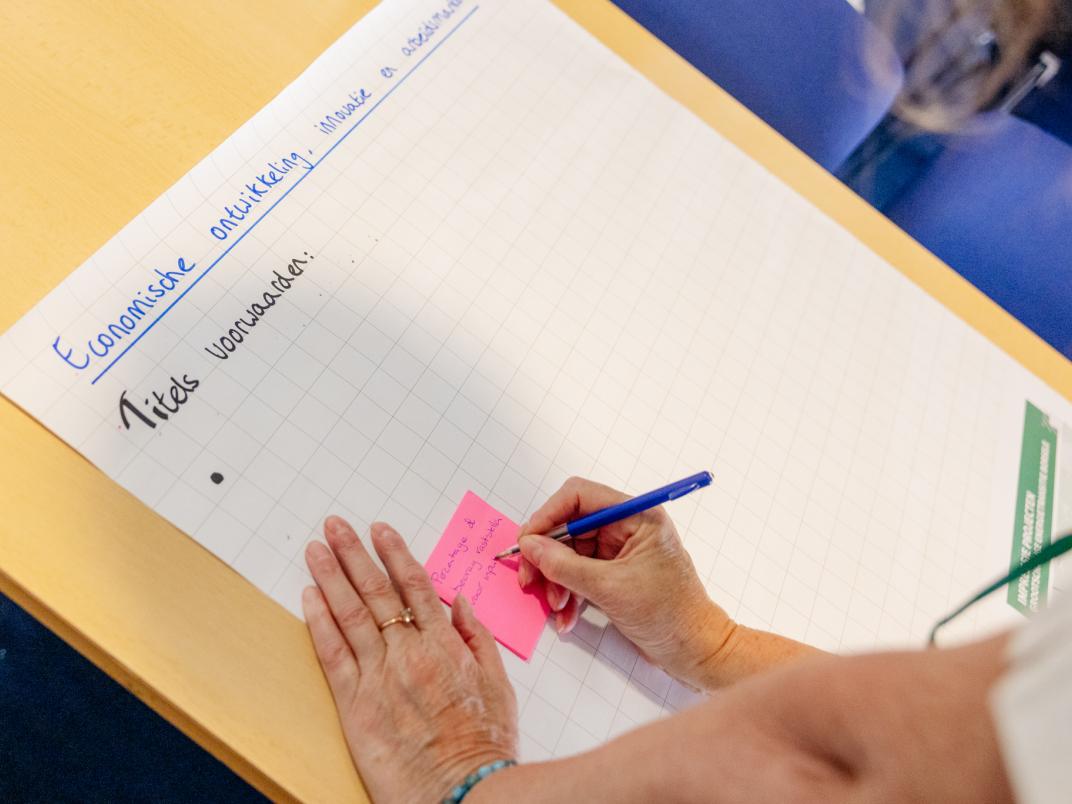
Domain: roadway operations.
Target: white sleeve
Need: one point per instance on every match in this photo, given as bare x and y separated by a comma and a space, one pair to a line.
1032, 708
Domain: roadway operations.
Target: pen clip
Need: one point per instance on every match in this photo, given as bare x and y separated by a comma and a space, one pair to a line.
673, 495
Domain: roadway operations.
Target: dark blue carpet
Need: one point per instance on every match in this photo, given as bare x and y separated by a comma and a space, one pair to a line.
68, 732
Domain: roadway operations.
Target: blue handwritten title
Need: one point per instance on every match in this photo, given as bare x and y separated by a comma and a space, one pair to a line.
429, 27
134, 317
128, 321
255, 192
354, 101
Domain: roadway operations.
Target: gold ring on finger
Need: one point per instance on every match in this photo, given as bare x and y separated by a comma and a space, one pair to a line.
404, 617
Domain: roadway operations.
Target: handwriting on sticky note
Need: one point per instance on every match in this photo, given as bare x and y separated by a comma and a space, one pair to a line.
463, 563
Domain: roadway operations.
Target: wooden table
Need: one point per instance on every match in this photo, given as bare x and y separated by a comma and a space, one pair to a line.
105, 106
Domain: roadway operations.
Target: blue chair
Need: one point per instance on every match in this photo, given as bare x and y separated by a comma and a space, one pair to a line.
996, 205
818, 72
1050, 106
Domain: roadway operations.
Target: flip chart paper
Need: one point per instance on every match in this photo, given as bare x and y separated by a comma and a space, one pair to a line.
463, 563
471, 249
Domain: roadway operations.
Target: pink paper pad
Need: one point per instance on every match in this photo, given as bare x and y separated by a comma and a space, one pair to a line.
464, 563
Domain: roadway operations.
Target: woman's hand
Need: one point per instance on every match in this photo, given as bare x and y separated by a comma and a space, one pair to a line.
637, 571
422, 705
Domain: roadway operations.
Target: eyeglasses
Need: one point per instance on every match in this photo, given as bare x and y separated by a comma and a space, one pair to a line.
1043, 556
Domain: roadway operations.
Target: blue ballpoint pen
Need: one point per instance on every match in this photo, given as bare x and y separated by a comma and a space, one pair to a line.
599, 519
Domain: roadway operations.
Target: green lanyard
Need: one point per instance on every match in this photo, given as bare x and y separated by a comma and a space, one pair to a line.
1047, 553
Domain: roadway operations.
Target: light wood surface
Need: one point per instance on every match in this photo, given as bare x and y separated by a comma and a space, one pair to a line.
105, 105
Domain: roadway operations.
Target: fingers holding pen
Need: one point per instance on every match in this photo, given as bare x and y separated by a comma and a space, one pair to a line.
567, 618
576, 497
526, 573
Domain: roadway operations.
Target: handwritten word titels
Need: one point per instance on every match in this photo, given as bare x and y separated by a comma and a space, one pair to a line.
226, 344
127, 322
163, 406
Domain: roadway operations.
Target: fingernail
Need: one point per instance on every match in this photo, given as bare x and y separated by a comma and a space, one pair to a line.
557, 597
308, 594
560, 622
523, 529
334, 524
531, 548
386, 531
524, 574
316, 549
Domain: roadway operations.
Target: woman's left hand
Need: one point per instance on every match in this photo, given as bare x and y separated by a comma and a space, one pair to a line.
422, 705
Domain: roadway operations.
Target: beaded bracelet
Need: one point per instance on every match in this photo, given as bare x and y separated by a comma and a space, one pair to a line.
461, 791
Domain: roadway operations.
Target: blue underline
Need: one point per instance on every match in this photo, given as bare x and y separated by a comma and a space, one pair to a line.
288, 191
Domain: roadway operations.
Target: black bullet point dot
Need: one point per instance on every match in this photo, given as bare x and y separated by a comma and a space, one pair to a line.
216, 478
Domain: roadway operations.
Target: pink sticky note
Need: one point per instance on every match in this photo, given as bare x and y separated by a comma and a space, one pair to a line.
464, 563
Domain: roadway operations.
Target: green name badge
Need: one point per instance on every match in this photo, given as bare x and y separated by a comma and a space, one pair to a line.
1033, 528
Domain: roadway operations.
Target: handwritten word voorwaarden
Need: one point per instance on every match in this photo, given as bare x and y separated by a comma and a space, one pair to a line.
100, 344
255, 192
226, 344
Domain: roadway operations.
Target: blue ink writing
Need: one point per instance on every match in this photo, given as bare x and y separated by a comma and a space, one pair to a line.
355, 100
100, 344
255, 191
429, 27
262, 186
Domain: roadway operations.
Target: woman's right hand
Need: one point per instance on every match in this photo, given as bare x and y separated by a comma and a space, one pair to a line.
636, 571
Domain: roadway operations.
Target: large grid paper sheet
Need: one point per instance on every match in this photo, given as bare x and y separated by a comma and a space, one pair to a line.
496, 256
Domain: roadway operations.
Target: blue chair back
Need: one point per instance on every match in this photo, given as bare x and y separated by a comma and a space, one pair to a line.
1050, 106
996, 205
818, 72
